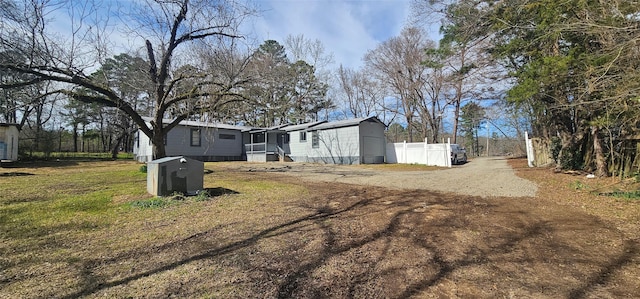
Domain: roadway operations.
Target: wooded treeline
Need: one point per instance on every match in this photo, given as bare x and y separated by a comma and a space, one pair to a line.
191, 61
564, 71
570, 67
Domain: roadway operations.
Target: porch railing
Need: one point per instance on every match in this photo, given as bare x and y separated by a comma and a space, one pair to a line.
253, 148
281, 153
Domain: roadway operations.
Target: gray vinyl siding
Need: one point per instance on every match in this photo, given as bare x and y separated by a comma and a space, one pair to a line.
211, 147
338, 146
299, 149
179, 143
355, 144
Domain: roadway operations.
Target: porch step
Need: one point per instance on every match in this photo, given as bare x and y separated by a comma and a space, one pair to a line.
285, 159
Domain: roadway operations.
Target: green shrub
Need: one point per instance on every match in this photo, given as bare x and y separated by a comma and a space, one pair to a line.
636, 177
203, 195
157, 202
629, 195
571, 158
174, 198
578, 185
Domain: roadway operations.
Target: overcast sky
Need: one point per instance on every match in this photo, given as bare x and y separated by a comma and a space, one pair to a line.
347, 28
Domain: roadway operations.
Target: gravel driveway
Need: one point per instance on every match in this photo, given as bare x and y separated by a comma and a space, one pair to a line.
483, 177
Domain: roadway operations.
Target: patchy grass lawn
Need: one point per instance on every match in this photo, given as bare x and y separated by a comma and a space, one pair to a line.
74, 230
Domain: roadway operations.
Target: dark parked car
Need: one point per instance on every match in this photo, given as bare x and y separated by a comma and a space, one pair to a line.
458, 154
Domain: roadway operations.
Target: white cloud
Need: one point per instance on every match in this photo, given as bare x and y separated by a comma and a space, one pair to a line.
348, 29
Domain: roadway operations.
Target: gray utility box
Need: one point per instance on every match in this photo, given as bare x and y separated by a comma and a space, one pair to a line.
174, 174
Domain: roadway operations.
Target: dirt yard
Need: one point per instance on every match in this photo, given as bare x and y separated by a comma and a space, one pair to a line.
476, 230
492, 228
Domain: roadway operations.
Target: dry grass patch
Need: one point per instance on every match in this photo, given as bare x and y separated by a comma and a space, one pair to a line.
68, 229
588, 195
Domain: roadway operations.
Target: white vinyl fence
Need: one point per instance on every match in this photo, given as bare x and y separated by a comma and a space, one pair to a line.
530, 153
437, 154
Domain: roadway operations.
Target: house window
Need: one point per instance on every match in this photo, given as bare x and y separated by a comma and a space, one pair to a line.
303, 136
286, 138
315, 139
227, 136
195, 137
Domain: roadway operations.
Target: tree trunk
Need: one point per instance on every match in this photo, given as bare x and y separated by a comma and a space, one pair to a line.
409, 119
128, 143
114, 148
75, 138
82, 141
435, 115
158, 145
103, 134
456, 116
602, 169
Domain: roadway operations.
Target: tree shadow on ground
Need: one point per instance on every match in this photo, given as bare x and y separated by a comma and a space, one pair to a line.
18, 173
93, 284
364, 242
219, 191
606, 273
44, 164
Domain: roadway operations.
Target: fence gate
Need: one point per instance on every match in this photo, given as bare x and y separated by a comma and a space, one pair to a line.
538, 151
437, 154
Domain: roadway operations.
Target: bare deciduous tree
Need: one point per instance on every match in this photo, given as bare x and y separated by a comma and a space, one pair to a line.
311, 51
167, 29
399, 64
362, 96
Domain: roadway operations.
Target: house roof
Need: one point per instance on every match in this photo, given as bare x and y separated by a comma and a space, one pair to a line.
312, 126
304, 126
318, 125
213, 125
345, 123
277, 128
190, 123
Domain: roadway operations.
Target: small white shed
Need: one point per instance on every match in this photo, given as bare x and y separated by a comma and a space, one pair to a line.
9, 142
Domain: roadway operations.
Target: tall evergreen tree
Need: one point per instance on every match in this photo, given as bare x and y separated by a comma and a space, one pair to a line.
472, 117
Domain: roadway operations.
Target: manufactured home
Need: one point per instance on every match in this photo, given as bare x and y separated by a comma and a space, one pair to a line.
9, 142
196, 140
354, 141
